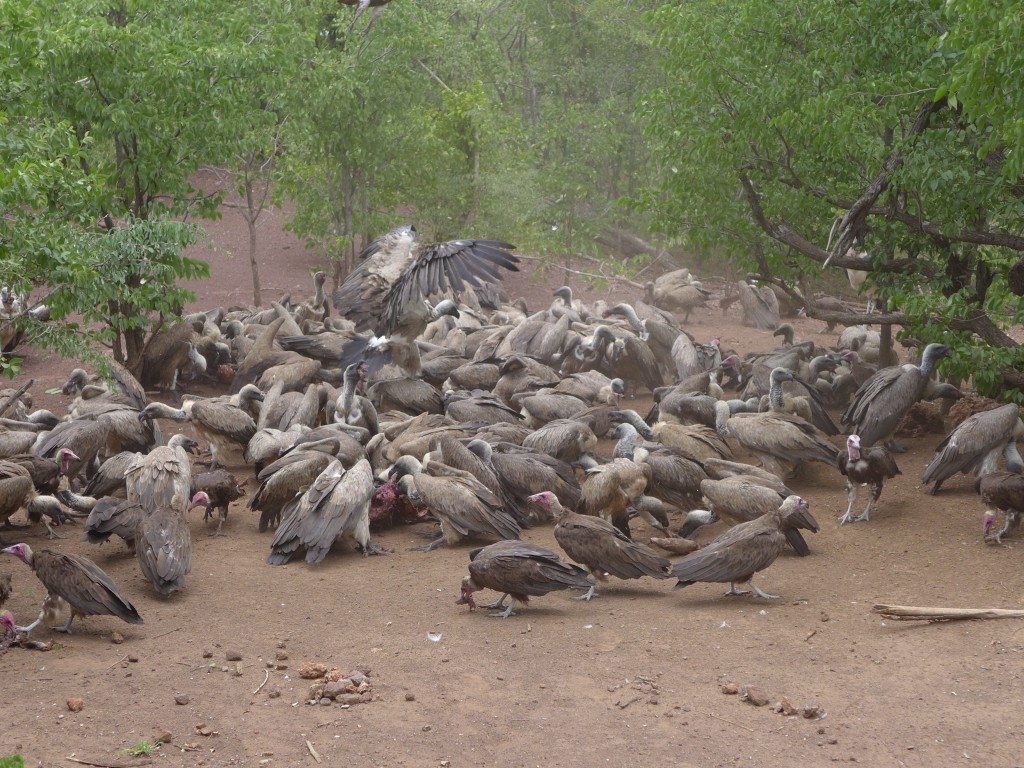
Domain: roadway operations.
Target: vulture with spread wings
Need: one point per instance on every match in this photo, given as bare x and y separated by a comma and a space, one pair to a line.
386, 293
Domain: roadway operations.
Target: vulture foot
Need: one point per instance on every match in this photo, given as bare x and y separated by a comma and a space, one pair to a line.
737, 592
864, 516
500, 603
66, 628
50, 533
588, 596
847, 518
374, 549
761, 593
431, 546
427, 534
504, 614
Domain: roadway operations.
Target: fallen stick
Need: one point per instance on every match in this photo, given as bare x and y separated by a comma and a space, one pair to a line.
123, 658
162, 634
266, 676
918, 613
99, 764
312, 751
730, 722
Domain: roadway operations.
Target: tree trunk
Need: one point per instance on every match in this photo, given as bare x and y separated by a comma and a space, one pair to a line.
250, 220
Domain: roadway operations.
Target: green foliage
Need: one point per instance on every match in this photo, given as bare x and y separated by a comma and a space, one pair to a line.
10, 366
14, 761
141, 749
809, 101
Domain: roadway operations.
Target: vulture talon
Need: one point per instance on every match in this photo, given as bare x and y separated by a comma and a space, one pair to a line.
588, 596
498, 604
374, 549
847, 518
733, 592
504, 614
762, 594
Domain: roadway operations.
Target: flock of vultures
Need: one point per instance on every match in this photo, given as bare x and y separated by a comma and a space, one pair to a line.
375, 407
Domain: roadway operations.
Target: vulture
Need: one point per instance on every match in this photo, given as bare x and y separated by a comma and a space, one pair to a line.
5, 588
524, 472
863, 467
112, 516
336, 505
776, 437
78, 581
109, 478
975, 445
163, 477
221, 488
745, 549
387, 292
462, 504
881, 401
600, 546
163, 546
563, 439
284, 479
741, 498
222, 422
1002, 491
611, 488
519, 570
760, 305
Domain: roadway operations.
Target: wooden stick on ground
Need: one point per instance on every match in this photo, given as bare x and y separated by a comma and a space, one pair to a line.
100, 764
917, 613
313, 752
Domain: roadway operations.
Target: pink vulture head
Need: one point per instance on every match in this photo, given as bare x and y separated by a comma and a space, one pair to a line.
21, 551
468, 588
988, 522
64, 457
201, 499
853, 447
545, 499
7, 622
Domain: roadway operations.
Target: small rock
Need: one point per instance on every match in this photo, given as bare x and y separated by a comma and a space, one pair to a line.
821, 729
825, 616
333, 690
333, 676
316, 692
357, 677
312, 671
730, 689
162, 737
204, 730
75, 705
265, 761
810, 712
280, 667
280, 645
410, 697
181, 699
354, 698
785, 707
273, 692
752, 694
445, 763
363, 687
363, 668
427, 728
325, 702
207, 653
117, 638
232, 655
281, 656
833, 740
133, 659
237, 670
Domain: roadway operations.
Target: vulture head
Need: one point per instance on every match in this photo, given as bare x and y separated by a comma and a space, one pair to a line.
64, 458
21, 551
935, 352
407, 488
76, 381
547, 501
161, 411
732, 362
186, 442
786, 331
201, 499
250, 393
466, 597
405, 465
988, 522
853, 447
7, 622
564, 293
319, 279
444, 308
481, 448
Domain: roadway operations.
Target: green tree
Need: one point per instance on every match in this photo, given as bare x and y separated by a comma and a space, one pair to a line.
779, 123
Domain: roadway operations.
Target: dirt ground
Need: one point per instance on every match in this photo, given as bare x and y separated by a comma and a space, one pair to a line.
631, 679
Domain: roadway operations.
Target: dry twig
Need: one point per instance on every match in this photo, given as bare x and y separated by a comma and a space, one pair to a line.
917, 613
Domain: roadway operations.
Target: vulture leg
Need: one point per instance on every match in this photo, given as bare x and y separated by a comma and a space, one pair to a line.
761, 593
876, 491
50, 533
496, 605
29, 627
214, 464
373, 549
1011, 522
653, 521
431, 546
589, 595
851, 495
935, 488
506, 613
66, 629
734, 591
220, 523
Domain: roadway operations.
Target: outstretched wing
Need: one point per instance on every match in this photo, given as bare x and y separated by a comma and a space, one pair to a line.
443, 267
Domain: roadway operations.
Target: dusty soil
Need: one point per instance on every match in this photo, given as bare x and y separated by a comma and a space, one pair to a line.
631, 679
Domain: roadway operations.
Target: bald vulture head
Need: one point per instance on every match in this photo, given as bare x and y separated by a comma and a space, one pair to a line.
445, 307
564, 293
481, 448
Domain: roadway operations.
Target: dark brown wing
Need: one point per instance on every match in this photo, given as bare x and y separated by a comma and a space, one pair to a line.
443, 267
601, 546
83, 584
737, 554
228, 420
520, 568
112, 516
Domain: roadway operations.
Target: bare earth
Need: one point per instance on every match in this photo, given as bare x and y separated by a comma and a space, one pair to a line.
631, 679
